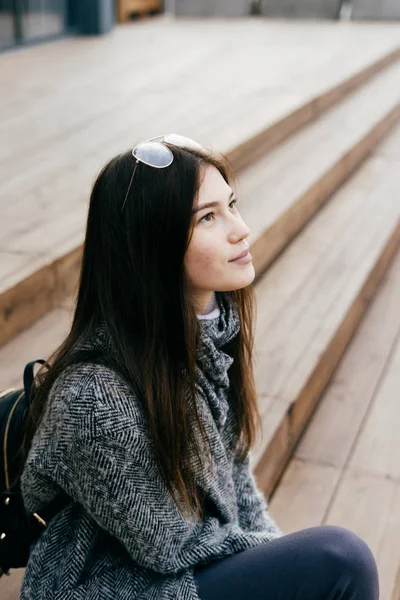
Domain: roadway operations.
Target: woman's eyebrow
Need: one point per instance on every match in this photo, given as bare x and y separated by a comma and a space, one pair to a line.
209, 205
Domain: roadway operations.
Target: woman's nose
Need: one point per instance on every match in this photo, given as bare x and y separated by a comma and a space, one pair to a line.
240, 231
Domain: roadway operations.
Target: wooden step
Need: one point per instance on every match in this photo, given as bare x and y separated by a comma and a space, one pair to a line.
48, 163
284, 189
345, 470
396, 587
312, 299
37, 341
10, 585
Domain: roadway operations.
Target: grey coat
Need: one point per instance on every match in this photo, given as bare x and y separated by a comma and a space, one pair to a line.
122, 537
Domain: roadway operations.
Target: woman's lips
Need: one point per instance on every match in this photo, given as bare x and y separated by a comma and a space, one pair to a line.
243, 260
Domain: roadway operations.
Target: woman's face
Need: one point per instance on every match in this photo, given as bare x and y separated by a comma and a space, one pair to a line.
219, 236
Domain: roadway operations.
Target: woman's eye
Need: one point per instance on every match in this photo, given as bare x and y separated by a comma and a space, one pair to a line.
205, 217
206, 220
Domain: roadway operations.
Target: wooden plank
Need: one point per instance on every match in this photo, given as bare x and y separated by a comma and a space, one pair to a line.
323, 483
277, 205
39, 341
26, 301
368, 505
10, 585
317, 253
340, 416
318, 281
312, 494
279, 445
396, 587
345, 329
14, 267
26, 297
303, 495
378, 448
318, 307
272, 451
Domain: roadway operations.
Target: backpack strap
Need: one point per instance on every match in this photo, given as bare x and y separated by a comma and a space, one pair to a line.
62, 500
29, 376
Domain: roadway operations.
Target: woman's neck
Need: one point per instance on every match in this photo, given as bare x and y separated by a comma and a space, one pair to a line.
212, 309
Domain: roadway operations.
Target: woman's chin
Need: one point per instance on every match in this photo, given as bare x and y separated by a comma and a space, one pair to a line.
247, 277
240, 281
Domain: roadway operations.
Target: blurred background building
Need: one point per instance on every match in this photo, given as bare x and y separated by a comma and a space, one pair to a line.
27, 21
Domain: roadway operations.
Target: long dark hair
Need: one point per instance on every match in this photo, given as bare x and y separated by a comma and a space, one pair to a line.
133, 280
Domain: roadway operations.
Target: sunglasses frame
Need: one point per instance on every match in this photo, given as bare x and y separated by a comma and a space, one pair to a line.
158, 140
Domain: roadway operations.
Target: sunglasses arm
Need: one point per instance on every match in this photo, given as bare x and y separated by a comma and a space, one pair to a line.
130, 185
156, 139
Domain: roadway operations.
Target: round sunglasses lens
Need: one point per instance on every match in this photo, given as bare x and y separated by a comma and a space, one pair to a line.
183, 142
153, 154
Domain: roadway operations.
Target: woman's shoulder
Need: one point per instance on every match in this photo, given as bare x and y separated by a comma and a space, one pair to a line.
87, 377
93, 396
87, 404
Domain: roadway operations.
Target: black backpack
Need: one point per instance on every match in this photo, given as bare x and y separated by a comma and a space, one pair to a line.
18, 529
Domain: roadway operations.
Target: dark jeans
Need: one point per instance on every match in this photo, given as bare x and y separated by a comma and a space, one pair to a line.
320, 563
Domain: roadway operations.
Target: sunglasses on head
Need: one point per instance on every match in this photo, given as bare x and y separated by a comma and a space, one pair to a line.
154, 153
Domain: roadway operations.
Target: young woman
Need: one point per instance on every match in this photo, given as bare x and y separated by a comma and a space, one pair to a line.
147, 416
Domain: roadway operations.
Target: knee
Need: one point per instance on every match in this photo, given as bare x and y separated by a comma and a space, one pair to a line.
350, 554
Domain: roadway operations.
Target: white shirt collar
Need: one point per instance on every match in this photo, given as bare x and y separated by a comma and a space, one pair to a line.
212, 310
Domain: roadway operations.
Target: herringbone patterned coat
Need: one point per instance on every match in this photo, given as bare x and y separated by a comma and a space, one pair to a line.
122, 537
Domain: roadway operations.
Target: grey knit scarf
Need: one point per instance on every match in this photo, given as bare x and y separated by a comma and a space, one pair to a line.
215, 334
